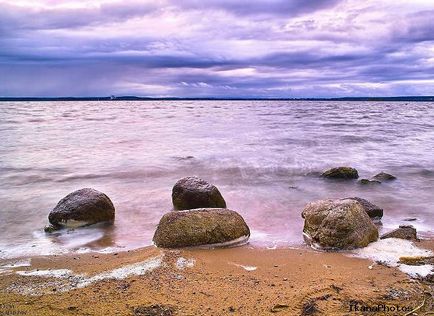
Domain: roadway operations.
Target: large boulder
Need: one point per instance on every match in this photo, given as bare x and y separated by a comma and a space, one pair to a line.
403, 232
341, 173
192, 192
373, 211
214, 227
338, 224
81, 208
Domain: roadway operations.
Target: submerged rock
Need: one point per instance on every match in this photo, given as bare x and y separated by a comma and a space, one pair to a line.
341, 173
81, 208
338, 224
373, 211
201, 227
367, 181
193, 192
403, 232
382, 176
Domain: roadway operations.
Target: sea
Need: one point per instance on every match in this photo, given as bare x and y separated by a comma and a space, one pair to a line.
264, 156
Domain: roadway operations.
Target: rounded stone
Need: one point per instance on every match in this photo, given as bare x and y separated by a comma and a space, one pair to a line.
193, 192
341, 173
81, 208
213, 227
338, 224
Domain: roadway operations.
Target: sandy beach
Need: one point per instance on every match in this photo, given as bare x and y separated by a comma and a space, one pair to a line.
232, 281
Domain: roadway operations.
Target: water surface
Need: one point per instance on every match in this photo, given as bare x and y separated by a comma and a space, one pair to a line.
263, 155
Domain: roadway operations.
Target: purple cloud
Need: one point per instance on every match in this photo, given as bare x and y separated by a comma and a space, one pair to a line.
216, 48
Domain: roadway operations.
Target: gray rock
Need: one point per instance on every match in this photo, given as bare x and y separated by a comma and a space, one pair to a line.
403, 232
373, 211
338, 224
382, 176
341, 173
197, 227
367, 181
193, 192
81, 208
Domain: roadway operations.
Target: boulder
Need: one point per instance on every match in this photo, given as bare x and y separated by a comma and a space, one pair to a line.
403, 232
373, 211
367, 181
382, 176
341, 173
193, 192
338, 224
197, 227
81, 208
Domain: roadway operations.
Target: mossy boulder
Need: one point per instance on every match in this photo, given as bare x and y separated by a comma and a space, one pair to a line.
373, 211
341, 173
368, 182
192, 192
197, 227
81, 208
338, 224
403, 232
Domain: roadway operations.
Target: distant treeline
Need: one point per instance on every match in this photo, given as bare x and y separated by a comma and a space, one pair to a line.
135, 98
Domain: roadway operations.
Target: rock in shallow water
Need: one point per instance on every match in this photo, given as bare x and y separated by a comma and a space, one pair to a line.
338, 224
341, 173
201, 227
382, 176
403, 232
371, 209
81, 208
193, 192
367, 181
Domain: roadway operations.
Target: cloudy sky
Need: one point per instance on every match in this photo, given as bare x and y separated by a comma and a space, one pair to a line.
226, 48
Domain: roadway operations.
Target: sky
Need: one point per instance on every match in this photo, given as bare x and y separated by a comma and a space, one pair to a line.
217, 48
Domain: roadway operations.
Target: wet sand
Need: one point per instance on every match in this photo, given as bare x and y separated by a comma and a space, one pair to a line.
236, 281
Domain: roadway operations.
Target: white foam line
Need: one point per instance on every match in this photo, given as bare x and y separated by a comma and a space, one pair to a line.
183, 263
17, 264
388, 251
83, 280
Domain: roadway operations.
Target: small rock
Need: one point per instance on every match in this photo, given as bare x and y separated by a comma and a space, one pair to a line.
341, 173
371, 209
279, 307
403, 232
410, 219
193, 192
367, 181
382, 176
50, 228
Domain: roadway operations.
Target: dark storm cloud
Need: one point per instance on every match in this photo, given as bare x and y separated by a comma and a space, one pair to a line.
216, 48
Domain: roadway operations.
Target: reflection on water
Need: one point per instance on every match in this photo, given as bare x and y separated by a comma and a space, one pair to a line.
263, 156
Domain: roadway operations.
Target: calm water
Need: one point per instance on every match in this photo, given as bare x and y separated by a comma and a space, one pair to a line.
263, 156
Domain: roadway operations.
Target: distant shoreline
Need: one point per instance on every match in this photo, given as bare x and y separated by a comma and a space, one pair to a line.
135, 98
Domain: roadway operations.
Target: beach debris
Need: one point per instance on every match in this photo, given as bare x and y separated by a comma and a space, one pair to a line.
213, 227
340, 173
416, 260
403, 232
373, 211
81, 208
338, 224
245, 267
193, 192
154, 310
309, 308
383, 176
278, 308
367, 181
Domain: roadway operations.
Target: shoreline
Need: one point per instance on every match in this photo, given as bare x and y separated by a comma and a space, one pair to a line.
224, 281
